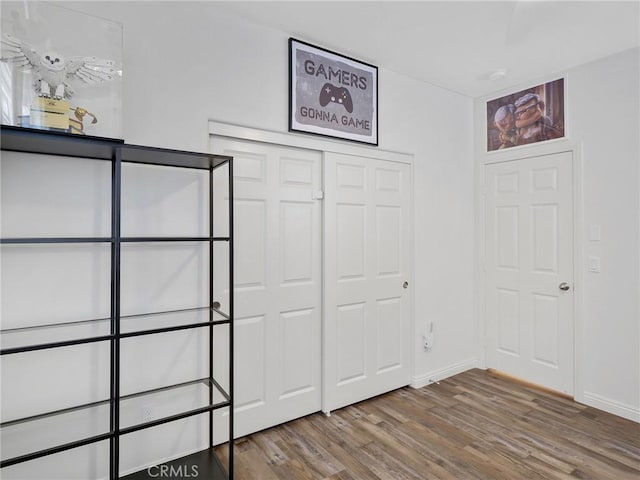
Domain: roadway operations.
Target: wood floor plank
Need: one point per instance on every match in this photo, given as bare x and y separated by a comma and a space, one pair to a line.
252, 464
474, 426
343, 452
266, 443
310, 451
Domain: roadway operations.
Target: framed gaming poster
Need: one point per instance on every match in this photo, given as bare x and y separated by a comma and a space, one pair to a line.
332, 95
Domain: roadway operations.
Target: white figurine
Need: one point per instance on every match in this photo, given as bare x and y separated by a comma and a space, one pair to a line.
52, 70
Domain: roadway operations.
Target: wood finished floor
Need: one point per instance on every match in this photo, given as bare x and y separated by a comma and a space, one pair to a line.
475, 425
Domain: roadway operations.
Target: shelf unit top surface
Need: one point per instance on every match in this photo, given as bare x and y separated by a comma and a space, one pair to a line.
56, 143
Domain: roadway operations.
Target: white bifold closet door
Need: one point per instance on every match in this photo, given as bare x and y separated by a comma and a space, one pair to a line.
278, 284
367, 323
299, 350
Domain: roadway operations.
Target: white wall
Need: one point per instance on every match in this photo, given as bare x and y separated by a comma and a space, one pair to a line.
223, 68
603, 124
188, 62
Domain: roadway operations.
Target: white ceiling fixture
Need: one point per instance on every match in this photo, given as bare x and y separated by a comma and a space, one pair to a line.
458, 44
499, 74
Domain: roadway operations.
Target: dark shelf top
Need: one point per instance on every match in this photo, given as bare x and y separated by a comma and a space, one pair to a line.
56, 143
32, 140
57, 240
40, 240
171, 158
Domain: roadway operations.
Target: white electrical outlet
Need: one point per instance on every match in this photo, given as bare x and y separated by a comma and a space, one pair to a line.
428, 341
146, 412
427, 338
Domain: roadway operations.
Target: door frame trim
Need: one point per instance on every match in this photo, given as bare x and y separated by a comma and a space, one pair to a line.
575, 149
308, 142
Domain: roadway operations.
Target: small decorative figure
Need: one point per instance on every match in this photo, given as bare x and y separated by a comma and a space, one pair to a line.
504, 121
52, 71
77, 121
80, 113
532, 124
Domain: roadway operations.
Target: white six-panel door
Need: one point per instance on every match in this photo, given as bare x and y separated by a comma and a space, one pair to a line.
367, 326
529, 269
278, 272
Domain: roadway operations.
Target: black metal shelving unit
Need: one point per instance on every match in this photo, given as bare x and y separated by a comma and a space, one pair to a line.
118, 153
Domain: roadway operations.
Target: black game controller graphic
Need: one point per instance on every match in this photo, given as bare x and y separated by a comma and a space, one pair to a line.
331, 93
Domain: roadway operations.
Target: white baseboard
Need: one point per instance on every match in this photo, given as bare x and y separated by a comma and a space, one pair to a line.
591, 399
611, 406
437, 375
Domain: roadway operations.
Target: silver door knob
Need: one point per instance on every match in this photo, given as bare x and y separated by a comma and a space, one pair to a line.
405, 285
564, 286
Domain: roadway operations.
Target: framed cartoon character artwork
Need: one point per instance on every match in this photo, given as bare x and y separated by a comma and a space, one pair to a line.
528, 116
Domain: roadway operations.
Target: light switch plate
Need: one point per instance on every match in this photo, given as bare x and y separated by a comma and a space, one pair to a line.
594, 233
594, 264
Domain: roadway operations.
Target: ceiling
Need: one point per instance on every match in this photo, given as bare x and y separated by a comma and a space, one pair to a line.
457, 45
